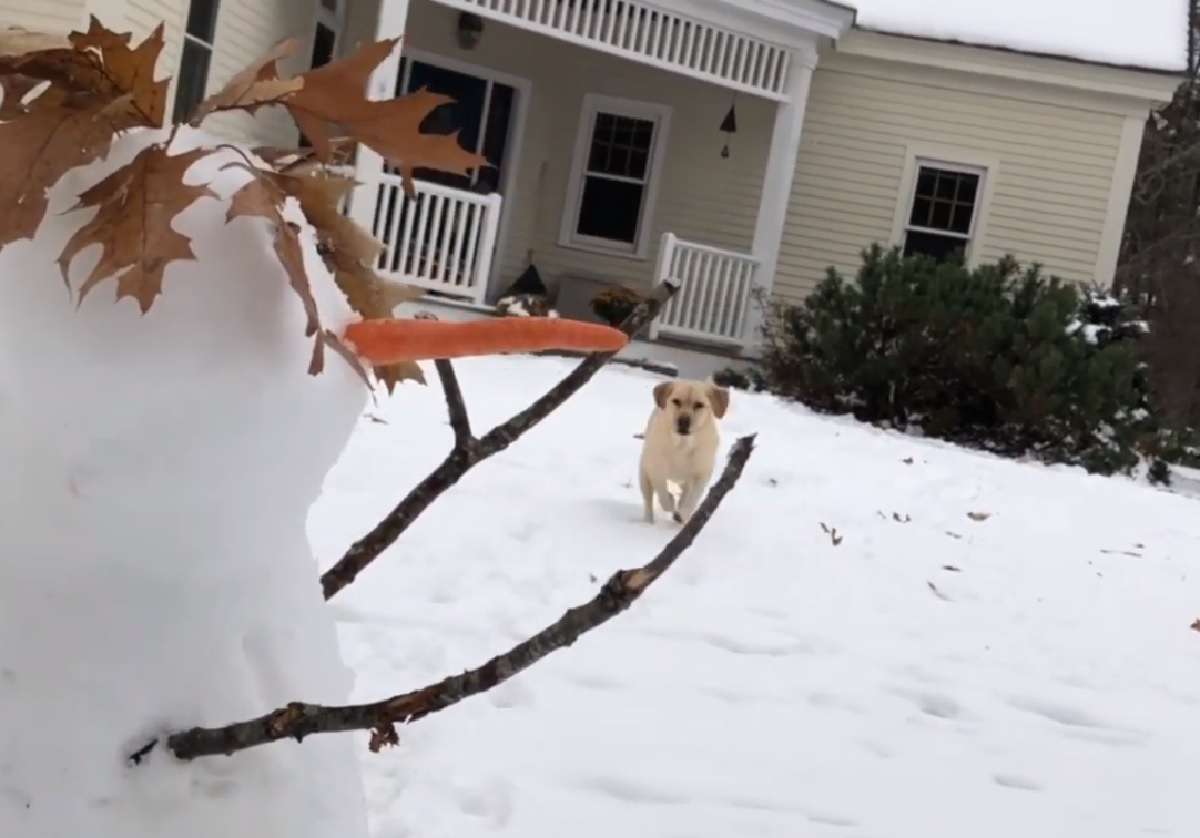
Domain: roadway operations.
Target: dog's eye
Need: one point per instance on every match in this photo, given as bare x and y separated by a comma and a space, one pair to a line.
677, 402
698, 406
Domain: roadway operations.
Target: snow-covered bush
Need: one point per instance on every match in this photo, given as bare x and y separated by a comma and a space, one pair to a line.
999, 356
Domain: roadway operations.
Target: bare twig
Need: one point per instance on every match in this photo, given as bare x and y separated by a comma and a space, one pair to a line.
298, 720
456, 406
465, 455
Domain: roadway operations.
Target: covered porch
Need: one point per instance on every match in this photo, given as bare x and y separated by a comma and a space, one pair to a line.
602, 121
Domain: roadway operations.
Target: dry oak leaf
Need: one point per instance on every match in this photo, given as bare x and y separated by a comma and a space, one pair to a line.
129, 71
50, 135
257, 85
137, 204
333, 95
98, 61
349, 253
263, 196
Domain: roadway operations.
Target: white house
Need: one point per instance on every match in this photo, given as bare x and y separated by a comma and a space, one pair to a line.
996, 128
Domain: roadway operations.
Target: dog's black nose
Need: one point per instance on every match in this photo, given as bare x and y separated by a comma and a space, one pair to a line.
683, 424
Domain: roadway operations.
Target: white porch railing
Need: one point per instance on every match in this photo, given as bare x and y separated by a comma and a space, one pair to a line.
713, 299
643, 33
442, 240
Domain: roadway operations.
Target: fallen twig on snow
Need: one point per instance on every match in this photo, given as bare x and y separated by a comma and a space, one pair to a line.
469, 450
298, 720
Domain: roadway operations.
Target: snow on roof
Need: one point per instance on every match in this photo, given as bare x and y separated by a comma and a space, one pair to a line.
1152, 34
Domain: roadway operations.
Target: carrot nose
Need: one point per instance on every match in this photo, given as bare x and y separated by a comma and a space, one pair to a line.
391, 340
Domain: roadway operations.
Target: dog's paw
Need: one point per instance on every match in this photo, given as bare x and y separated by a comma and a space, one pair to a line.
676, 517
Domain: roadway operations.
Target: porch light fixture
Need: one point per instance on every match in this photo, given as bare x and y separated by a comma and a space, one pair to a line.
728, 128
470, 29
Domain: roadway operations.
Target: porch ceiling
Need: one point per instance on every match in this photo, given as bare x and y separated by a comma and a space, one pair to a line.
743, 45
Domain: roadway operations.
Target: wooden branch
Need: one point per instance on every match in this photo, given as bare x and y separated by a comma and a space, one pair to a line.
298, 720
466, 454
456, 406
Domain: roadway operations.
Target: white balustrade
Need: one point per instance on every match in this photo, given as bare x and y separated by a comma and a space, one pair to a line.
714, 293
443, 239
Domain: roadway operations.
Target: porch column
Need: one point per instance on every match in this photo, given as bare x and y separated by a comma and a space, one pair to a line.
390, 22
777, 188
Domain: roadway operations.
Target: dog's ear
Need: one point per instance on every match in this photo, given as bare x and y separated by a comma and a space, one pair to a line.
719, 397
662, 392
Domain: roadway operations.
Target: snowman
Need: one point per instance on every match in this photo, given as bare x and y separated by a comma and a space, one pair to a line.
156, 473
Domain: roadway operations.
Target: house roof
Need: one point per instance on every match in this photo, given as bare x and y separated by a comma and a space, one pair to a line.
1149, 34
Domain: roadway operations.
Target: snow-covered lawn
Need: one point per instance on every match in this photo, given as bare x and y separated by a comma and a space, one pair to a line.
989, 650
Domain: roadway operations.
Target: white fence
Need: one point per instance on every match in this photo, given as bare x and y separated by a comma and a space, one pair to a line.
642, 32
714, 294
443, 239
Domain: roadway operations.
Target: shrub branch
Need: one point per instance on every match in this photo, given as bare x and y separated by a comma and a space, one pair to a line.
469, 451
298, 720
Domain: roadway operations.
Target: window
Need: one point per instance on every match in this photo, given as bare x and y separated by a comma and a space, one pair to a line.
328, 31
326, 34
942, 216
196, 58
618, 156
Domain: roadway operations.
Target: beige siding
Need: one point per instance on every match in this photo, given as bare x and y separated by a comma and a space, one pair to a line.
46, 15
1049, 194
244, 31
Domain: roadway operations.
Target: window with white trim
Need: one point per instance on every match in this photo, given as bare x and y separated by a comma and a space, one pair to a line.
617, 159
195, 60
944, 208
327, 32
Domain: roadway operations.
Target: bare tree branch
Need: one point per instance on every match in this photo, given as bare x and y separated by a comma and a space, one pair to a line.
456, 406
298, 720
467, 454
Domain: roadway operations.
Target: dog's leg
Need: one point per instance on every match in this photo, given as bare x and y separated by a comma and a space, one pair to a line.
665, 499
689, 497
647, 496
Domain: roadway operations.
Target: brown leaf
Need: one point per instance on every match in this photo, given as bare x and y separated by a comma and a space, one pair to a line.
52, 134
979, 516
129, 72
263, 196
383, 736
349, 254
332, 95
98, 62
1195, 626
257, 85
136, 205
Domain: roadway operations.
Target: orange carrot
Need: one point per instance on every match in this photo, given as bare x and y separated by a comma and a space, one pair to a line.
390, 340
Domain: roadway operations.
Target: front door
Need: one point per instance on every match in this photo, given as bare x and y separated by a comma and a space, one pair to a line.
482, 112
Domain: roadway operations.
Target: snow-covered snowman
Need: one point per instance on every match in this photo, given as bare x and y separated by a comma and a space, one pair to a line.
156, 473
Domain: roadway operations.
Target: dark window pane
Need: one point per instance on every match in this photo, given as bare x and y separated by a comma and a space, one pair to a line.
946, 185
926, 182
639, 162
922, 207
193, 78
939, 218
464, 114
324, 41
940, 248
610, 209
202, 20
968, 187
960, 221
495, 134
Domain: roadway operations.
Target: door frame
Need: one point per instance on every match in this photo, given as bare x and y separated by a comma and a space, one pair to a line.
518, 120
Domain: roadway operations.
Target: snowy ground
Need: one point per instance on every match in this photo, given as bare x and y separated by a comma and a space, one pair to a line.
931, 675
